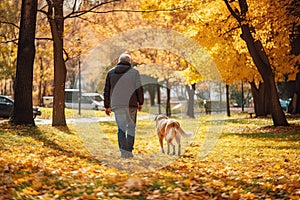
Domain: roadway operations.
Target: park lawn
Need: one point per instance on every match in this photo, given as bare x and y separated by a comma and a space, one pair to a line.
228, 158
73, 113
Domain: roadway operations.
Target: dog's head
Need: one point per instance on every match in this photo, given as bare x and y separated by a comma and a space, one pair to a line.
160, 117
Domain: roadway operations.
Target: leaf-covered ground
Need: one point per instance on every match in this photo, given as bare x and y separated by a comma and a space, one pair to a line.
234, 158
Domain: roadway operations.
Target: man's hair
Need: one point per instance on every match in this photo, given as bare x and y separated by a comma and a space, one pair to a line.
125, 58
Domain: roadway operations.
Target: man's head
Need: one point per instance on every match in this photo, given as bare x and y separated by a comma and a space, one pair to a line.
125, 58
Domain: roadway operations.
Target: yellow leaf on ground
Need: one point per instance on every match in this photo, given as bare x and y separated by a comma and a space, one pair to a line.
134, 183
58, 192
30, 191
277, 166
187, 182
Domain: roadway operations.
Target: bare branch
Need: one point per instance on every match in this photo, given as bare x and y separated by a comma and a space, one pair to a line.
88, 20
50, 11
67, 55
244, 7
42, 11
10, 23
74, 6
49, 39
142, 11
15, 41
92, 10
234, 14
45, 6
79, 13
228, 31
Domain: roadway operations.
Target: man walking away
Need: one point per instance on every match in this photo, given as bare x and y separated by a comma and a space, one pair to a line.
124, 95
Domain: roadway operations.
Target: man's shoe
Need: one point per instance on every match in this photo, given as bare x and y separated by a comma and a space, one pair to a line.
130, 155
126, 154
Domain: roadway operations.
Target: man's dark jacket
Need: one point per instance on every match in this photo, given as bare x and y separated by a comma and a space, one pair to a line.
123, 87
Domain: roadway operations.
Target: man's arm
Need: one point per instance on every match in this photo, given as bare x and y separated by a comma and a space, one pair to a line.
106, 95
139, 91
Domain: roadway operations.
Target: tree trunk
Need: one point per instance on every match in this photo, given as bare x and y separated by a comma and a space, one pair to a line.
191, 93
262, 63
40, 92
260, 60
255, 94
261, 100
243, 101
227, 101
151, 89
57, 30
168, 104
294, 107
22, 114
158, 98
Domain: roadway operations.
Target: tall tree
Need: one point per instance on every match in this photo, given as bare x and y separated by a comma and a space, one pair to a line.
22, 114
56, 20
209, 24
260, 59
293, 12
192, 77
191, 93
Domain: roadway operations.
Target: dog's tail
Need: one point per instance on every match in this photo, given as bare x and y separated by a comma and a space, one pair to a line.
183, 133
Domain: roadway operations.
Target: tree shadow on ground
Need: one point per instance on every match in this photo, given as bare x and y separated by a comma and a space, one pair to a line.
37, 134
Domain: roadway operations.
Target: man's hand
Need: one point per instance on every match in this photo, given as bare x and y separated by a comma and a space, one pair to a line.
140, 107
107, 111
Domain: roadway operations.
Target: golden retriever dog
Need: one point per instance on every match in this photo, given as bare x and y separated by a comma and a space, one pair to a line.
170, 130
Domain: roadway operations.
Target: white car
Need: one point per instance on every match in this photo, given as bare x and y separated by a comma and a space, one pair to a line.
89, 101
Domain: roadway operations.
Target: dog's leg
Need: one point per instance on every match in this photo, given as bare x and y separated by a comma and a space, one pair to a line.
173, 147
168, 151
161, 145
179, 145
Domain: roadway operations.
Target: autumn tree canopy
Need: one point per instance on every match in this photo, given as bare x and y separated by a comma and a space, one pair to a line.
209, 24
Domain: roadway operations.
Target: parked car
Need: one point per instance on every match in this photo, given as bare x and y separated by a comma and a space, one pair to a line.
7, 107
284, 103
89, 101
94, 99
